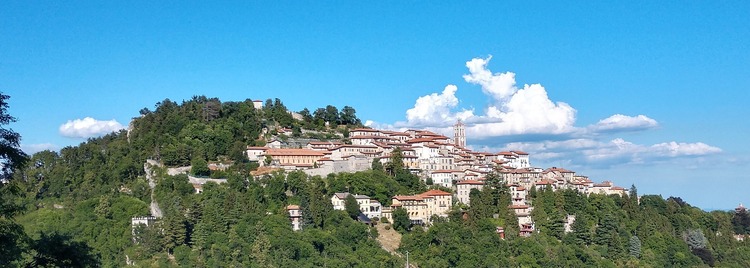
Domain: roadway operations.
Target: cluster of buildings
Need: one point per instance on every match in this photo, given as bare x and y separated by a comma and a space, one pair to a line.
436, 158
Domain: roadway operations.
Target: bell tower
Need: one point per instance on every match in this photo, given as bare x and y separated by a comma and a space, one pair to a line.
459, 134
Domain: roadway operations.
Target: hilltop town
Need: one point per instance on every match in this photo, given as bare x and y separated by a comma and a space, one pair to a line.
201, 183
437, 159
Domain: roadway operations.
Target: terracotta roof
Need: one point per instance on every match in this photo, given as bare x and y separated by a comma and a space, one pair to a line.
445, 171
435, 193
561, 170
291, 207
353, 146
293, 152
370, 137
518, 206
417, 140
408, 198
543, 182
520, 152
257, 148
365, 130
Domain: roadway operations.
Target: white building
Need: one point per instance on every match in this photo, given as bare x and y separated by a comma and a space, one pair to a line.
463, 189
370, 207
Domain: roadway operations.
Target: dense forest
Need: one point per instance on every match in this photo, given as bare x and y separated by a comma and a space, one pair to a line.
73, 208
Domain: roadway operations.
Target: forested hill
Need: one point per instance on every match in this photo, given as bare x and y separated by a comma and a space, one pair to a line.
74, 208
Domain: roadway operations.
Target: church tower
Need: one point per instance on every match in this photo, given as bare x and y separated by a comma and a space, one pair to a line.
459, 134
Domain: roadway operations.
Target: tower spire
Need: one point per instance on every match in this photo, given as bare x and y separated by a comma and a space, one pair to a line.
459, 134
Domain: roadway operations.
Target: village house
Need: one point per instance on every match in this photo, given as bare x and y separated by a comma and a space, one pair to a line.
422, 207
292, 158
323, 145
369, 207
463, 189
295, 217
445, 177
342, 151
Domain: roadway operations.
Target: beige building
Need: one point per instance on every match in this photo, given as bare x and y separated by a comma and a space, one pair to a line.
292, 158
463, 189
422, 207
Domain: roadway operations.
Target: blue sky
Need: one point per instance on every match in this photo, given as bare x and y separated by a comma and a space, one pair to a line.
649, 93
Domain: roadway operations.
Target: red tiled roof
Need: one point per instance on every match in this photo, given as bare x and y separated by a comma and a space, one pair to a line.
365, 130
408, 198
435, 193
293, 152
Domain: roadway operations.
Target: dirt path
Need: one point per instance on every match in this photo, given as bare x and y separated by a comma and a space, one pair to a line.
155, 209
389, 239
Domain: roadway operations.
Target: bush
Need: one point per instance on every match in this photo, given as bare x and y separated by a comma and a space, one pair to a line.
387, 227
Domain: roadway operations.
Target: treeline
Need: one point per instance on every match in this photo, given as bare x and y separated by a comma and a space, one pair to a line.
73, 208
608, 231
206, 128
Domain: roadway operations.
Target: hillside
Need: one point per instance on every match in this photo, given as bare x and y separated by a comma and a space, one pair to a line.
88, 194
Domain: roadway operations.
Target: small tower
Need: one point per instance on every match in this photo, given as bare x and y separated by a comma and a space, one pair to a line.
459, 134
295, 215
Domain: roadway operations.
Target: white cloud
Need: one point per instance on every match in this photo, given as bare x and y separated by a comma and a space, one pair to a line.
89, 127
528, 114
512, 111
34, 148
684, 149
500, 86
623, 122
435, 109
590, 152
527, 111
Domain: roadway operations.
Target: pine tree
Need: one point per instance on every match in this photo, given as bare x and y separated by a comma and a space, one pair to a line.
581, 230
635, 247
351, 206
174, 232
401, 220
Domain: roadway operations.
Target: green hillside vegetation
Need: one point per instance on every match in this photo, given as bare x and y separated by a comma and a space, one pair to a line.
73, 208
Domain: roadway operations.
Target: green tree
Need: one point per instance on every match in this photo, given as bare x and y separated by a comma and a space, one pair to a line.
174, 232
695, 239
103, 208
200, 167
581, 230
12, 156
12, 237
635, 247
376, 165
401, 220
58, 250
351, 206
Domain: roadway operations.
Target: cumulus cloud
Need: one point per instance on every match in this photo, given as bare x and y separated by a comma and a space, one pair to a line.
499, 86
684, 149
89, 127
619, 122
34, 148
590, 152
528, 119
436, 109
512, 110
